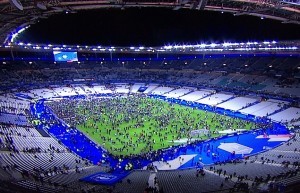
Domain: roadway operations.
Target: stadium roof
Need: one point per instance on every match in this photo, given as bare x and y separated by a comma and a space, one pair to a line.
16, 14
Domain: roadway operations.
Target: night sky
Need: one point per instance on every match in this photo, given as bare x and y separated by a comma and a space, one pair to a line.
155, 27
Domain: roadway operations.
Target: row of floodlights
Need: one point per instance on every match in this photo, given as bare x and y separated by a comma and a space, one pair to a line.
248, 46
182, 48
213, 45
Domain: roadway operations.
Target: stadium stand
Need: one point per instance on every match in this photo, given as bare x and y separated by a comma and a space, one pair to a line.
33, 158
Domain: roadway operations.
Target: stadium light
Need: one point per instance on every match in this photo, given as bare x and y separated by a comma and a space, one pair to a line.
213, 45
202, 45
168, 47
226, 44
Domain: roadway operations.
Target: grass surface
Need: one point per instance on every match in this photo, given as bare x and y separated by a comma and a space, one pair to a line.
126, 126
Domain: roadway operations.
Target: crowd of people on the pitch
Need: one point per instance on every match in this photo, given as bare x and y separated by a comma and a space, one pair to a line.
139, 124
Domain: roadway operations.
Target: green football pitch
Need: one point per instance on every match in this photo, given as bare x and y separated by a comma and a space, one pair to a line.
135, 125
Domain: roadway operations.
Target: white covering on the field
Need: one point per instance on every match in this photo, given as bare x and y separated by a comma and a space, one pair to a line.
44, 93
284, 137
65, 91
162, 90
196, 95
173, 164
215, 99
122, 88
229, 131
79, 90
150, 88
235, 147
28, 94
183, 140
136, 87
237, 103
263, 108
101, 89
287, 115
278, 139
257, 107
177, 92
88, 90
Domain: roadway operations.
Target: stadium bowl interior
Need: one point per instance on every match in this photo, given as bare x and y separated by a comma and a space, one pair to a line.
176, 118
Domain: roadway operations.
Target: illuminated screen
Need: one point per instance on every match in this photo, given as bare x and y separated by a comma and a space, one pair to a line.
65, 56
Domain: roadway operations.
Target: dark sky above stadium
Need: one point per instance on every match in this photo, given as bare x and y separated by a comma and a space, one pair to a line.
155, 27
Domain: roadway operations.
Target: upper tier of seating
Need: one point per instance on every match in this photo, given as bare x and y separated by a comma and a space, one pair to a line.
240, 73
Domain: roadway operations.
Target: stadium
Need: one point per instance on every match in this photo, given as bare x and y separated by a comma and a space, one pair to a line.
209, 116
